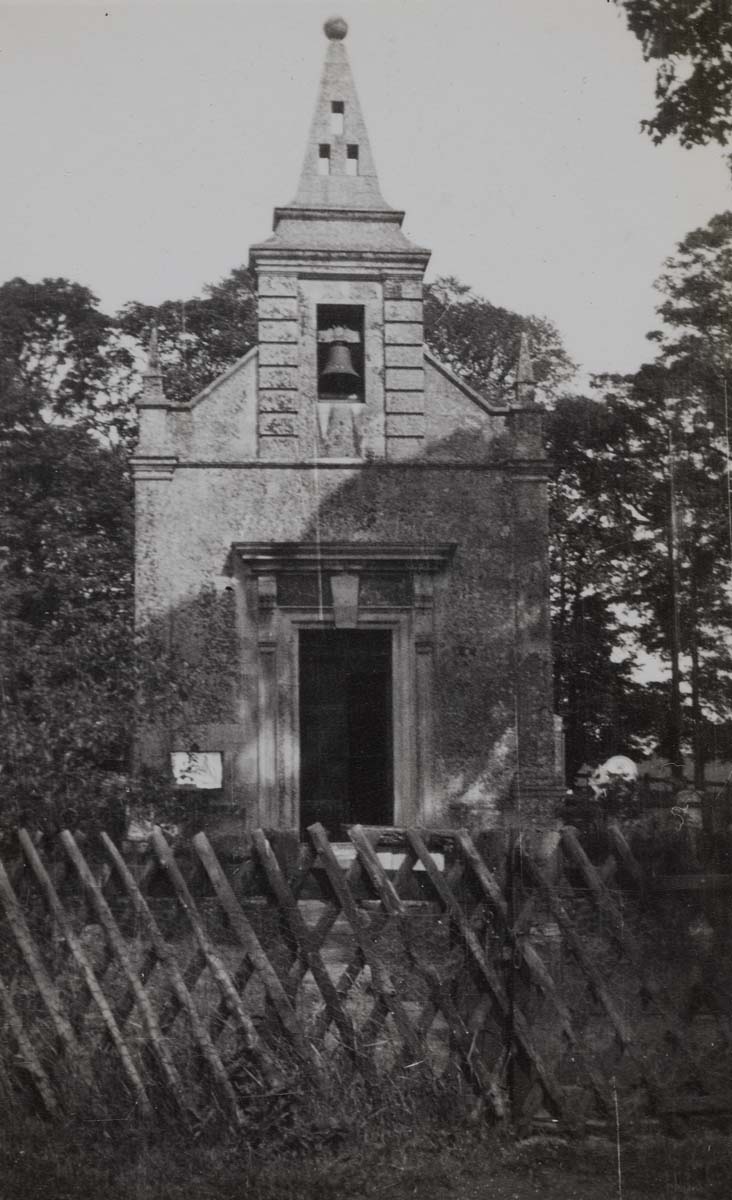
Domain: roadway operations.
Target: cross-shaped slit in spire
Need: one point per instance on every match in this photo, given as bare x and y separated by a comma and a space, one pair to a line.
324, 159
337, 117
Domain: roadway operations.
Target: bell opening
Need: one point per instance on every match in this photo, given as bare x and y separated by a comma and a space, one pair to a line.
340, 331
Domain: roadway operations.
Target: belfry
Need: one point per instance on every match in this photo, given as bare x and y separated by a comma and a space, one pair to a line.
341, 546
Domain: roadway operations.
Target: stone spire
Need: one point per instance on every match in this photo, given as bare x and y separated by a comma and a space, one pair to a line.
338, 206
525, 385
153, 394
338, 171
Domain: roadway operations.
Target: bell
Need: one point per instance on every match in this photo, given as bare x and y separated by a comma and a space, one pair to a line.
339, 363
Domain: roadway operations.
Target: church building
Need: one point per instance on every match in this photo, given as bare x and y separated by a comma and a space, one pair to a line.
341, 547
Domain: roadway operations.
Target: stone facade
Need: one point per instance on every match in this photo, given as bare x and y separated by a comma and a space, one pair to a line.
407, 520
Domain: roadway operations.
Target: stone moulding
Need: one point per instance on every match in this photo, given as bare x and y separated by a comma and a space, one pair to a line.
411, 626
382, 557
160, 467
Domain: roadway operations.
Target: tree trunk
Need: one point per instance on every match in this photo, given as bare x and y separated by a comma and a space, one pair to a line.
696, 710
675, 727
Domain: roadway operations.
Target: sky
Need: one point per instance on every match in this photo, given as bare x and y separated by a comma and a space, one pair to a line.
144, 147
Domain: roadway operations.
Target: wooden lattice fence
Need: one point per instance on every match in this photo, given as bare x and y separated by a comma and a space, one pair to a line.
173, 982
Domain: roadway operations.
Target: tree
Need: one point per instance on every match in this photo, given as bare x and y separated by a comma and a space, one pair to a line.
60, 359
695, 346
590, 519
636, 525
66, 670
692, 43
201, 337
695, 355
479, 340
642, 523
68, 374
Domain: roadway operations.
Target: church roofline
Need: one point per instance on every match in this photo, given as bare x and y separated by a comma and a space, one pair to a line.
253, 352
187, 405
495, 410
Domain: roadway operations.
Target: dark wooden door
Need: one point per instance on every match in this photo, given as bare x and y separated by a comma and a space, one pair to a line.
346, 771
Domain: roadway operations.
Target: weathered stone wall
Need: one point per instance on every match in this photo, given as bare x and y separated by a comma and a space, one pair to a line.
474, 479
206, 511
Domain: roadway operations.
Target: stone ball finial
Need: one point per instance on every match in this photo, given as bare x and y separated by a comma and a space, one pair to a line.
335, 29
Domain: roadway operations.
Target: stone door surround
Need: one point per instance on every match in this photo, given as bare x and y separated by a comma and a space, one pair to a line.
343, 585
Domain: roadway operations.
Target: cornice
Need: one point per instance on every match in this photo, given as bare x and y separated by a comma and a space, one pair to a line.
333, 261
153, 467
295, 213
272, 558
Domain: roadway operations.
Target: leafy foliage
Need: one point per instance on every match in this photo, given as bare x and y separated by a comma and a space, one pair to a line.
696, 286
479, 341
694, 369
639, 539
68, 375
61, 359
589, 515
66, 642
692, 43
201, 337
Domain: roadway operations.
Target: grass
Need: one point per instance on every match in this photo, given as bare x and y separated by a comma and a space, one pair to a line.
386, 1158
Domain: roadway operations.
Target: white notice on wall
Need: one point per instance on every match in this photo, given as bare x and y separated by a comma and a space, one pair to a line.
197, 769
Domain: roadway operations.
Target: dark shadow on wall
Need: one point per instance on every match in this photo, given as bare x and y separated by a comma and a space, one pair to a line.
458, 491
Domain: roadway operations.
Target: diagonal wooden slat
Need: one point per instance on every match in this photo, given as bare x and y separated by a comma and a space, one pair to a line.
440, 1001
253, 949
347, 980
375, 872
169, 963
83, 1005
624, 937
26, 1051
525, 915
574, 942
625, 854
125, 1004
322, 929
362, 932
219, 1019
372, 1027
217, 966
608, 870
76, 1060
574, 853
300, 873
379, 920
305, 942
173, 1005
119, 948
460, 983
392, 907
521, 1028
82, 961
538, 972
463, 1042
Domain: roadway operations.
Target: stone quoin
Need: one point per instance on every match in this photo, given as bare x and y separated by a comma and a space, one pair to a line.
342, 546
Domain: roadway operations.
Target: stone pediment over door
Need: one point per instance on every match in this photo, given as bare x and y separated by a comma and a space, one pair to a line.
341, 586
